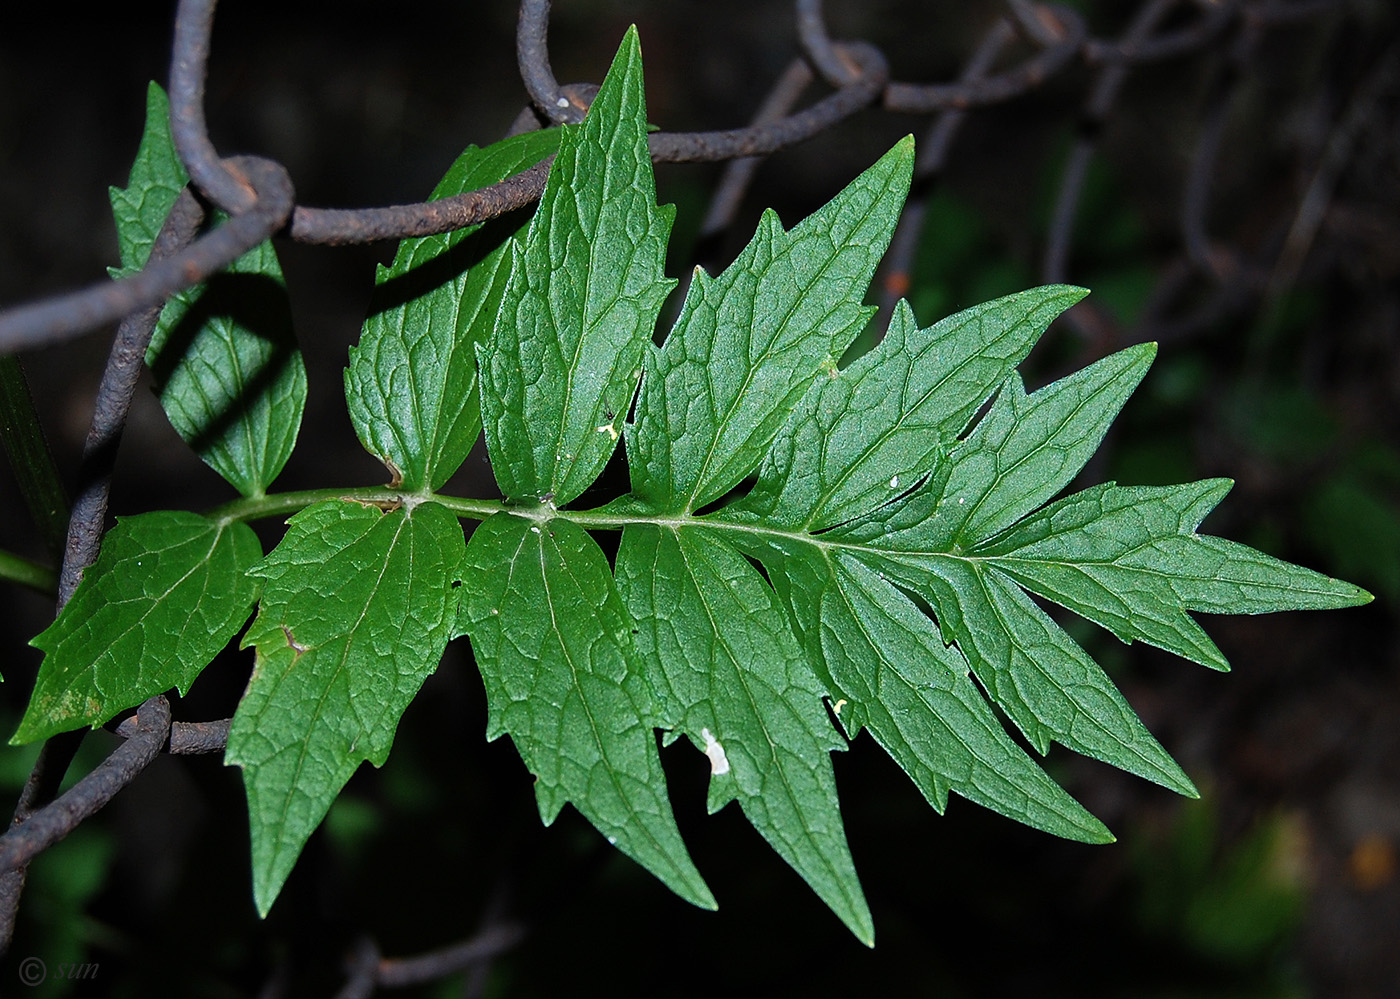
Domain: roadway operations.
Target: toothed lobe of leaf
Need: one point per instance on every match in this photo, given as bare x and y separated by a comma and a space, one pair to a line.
733, 679
748, 343
165, 595
356, 610
555, 648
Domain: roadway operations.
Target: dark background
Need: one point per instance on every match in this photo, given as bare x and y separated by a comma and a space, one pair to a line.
1281, 881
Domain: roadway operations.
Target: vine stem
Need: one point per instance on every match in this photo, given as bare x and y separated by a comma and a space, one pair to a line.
604, 518
286, 504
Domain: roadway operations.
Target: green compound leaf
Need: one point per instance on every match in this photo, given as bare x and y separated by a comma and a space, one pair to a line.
356, 610
165, 595
585, 290
716, 641
227, 368
555, 648
411, 386
903, 513
748, 343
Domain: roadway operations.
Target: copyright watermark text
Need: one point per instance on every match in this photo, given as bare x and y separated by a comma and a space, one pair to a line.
33, 971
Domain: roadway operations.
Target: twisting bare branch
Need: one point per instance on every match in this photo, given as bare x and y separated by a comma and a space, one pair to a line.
756, 140
532, 55
925, 98
50, 824
66, 316
824, 54
113, 402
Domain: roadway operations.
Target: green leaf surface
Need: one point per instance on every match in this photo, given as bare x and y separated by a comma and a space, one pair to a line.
748, 343
1025, 450
1022, 452
869, 432
166, 594
555, 648
225, 360
1036, 673
411, 385
584, 293
1128, 558
356, 610
157, 177
891, 672
716, 645
228, 371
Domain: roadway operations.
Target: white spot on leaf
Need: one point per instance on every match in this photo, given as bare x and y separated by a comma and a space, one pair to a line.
894, 481
838, 705
719, 763
609, 429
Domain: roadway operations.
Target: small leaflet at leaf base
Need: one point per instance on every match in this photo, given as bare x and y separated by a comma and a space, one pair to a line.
558, 376
411, 385
356, 610
165, 595
555, 648
716, 645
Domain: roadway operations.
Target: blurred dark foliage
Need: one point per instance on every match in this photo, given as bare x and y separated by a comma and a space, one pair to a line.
1282, 881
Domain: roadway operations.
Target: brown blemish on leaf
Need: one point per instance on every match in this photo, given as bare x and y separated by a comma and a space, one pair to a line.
292, 642
395, 476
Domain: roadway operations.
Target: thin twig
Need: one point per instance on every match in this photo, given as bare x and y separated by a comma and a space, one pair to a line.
53, 822
66, 316
1019, 80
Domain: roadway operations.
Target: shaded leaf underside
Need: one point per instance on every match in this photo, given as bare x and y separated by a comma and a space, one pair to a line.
225, 360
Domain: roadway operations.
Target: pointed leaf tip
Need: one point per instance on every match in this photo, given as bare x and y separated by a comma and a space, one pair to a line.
411, 384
